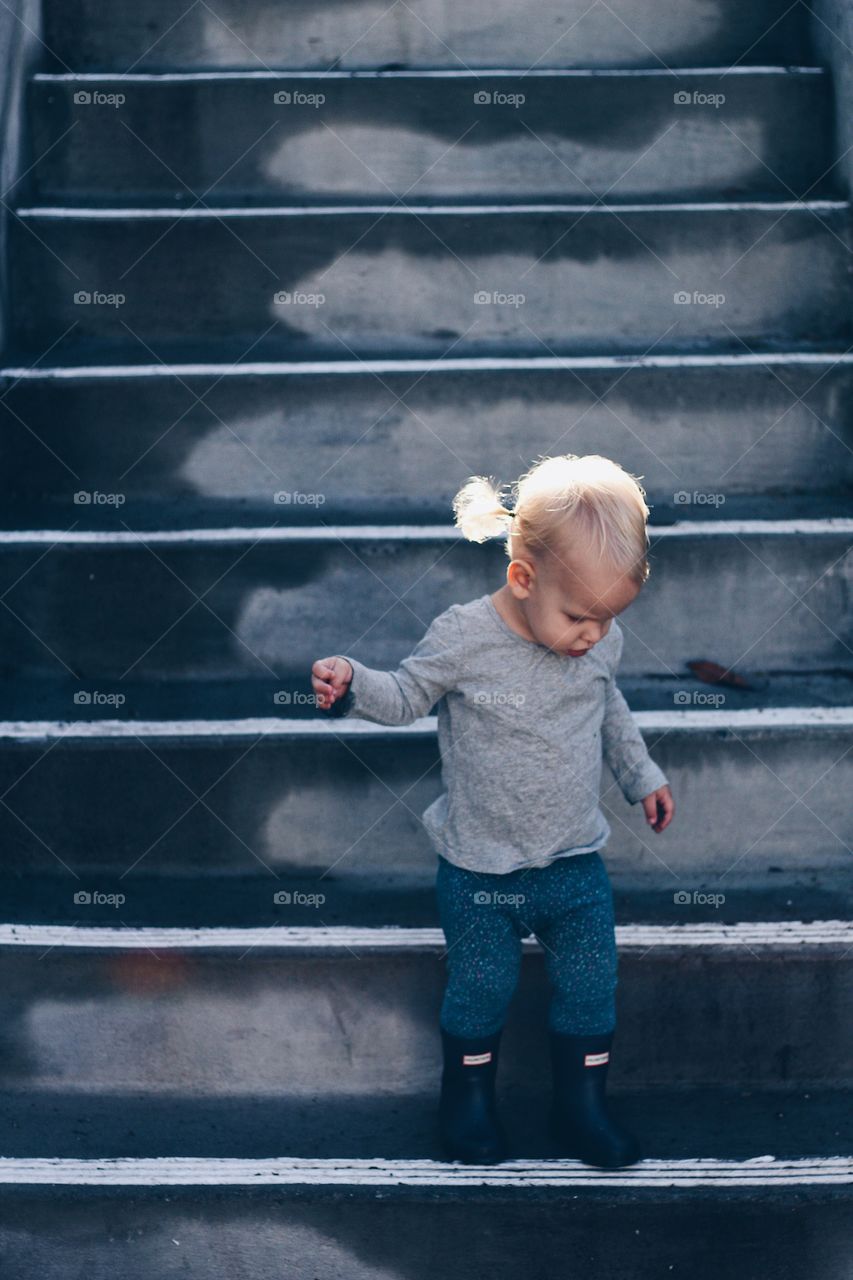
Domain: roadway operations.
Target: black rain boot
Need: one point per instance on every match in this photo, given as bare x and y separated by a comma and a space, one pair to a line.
583, 1125
471, 1130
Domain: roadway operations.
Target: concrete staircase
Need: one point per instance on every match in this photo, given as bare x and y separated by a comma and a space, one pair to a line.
283, 276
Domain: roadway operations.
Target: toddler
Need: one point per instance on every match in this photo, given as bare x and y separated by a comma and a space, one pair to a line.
527, 706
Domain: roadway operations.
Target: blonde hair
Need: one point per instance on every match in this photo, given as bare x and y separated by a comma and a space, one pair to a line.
563, 504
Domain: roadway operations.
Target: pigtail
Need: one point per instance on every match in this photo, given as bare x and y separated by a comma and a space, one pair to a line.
479, 511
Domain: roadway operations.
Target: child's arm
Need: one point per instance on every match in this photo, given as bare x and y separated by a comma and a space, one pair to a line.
394, 697
625, 751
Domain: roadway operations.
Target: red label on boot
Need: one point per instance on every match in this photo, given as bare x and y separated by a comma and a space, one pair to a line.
476, 1059
596, 1059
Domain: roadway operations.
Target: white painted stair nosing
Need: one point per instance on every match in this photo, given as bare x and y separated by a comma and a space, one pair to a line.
775, 934
827, 525
588, 73
695, 721
474, 364
82, 213
759, 1171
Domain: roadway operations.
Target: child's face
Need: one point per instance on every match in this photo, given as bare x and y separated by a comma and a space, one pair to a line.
568, 607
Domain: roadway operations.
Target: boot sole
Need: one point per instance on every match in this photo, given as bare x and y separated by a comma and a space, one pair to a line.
569, 1150
451, 1153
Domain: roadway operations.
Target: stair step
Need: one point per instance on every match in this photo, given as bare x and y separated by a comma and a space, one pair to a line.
249, 603
679, 1127
53, 707
212, 1013
373, 1219
485, 280
347, 135
150, 35
740, 436
255, 798
216, 898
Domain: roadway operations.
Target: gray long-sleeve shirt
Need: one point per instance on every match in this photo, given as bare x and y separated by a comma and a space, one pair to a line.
521, 731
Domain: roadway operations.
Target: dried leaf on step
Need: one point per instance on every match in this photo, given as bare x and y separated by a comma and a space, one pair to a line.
713, 673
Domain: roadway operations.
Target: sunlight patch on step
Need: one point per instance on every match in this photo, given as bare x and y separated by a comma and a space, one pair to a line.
352, 160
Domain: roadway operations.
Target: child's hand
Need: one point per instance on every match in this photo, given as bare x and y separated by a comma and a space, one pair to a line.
330, 679
659, 808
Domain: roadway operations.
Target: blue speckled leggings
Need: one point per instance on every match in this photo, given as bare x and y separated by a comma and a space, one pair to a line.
568, 905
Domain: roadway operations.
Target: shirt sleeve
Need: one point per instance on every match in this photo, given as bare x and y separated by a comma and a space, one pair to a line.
623, 745
402, 696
